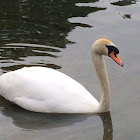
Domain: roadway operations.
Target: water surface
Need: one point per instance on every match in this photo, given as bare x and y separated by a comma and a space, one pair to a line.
59, 35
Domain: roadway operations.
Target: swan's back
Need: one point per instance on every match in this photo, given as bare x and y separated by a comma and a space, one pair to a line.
46, 90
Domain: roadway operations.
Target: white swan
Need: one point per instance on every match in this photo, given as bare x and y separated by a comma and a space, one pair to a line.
46, 90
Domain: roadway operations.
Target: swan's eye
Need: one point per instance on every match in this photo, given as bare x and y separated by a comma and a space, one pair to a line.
112, 48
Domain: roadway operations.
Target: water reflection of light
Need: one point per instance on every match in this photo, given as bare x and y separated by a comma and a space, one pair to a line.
21, 54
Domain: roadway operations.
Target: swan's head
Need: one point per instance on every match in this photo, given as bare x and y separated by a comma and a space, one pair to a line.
104, 46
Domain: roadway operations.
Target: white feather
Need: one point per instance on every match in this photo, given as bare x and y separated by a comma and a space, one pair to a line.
42, 89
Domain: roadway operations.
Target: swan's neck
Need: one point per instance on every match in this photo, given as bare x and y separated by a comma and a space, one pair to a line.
101, 71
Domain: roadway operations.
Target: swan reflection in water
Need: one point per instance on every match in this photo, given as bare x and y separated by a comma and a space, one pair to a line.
38, 121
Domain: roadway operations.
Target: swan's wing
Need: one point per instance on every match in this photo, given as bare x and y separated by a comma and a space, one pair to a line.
46, 89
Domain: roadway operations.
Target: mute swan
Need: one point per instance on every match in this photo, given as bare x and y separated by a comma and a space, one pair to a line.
46, 90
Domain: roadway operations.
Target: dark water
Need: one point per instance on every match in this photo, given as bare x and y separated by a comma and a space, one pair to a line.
59, 34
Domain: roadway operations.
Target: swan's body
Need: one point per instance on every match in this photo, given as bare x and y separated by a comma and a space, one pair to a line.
46, 90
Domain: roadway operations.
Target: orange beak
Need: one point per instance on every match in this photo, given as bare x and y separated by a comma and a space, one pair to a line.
116, 58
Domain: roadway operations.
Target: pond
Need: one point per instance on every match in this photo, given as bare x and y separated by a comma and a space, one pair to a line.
59, 35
